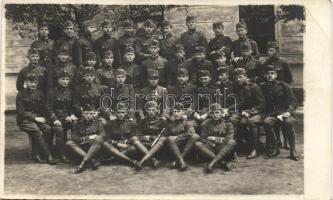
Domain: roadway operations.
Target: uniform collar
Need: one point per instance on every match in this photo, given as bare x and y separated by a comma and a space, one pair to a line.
191, 31
217, 121
107, 36
182, 85
168, 35
154, 57
33, 66
219, 36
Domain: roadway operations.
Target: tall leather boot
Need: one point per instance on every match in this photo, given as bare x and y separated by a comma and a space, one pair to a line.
253, 142
175, 150
189, 144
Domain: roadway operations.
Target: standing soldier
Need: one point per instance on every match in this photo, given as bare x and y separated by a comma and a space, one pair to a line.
155, 61
44, 44
175, 63
68, 39
168, 42
216, 139
219, 42
250, 107
192, 38
33, 68
180, 134
60, 112
281, 106
105, 73
30, 117
84, 44
87, 138
128, 38
107, 42
241, 29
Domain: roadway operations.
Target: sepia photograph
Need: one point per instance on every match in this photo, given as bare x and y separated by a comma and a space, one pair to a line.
154, 99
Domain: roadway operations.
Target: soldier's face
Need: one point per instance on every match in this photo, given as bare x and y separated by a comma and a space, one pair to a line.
271, 52
221, 60
241, 32
43, 31
153, 50
223, 77
148, 29
128, 30
69, 31
152, 81
129, 57
63, 57
219, 30
88, 115
63, 81
180, 54
204, 80
108, 60
191, 24
32, 85
178, 114
246, 53
199, 56
216, 115
241, 79
121, 114
182, 79
107, 29
271, 76
89, 78
34, 58
91, 62
167, 29
120, 79
151, 112
90, 29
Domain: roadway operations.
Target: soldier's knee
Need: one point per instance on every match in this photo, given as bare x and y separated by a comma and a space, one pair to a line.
70, 143
172, 139
162, 139
268, 122
134, 140
99, 139
195, 136
232, 142
198, 145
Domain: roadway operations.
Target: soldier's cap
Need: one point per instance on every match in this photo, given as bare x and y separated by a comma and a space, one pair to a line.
272, 44
222, 70
203, 73
149, 23
107, 52
42, 24
87, 23
128, 49
246, 46
215, 107
154, 43
63, 73
151, 104
68, 23
199, 49
152, 73
166, 23
64, 49
121, 106
90, 55
269, 68
31, 77
88, 107
120, 71
128, 24
89, 70
179, 47
178, 106
106, 22
217, 24
240, 71
33, 50
241, 25
182, 72
190, 18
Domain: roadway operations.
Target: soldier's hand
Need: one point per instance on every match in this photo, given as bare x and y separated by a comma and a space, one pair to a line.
92, 137
123, 146
280, 117
73, 117
40, 120
130, 119
163, 118
286, 114
237, 59
112, 117
197, 116
57, 123
245, 114
211, 138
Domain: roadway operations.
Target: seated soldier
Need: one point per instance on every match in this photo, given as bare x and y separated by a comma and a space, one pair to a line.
216, 138
281, 105
250, 107
180, 134
60, 112
30, 119
151, 132
87, 138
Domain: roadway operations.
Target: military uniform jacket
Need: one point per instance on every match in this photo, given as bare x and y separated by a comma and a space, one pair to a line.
226, 88
39, 71
252, 67
117, 130
55, 69
59, 104
29, 105
183, 93
82, 130
167, 46
125, 93
236, 47
80, 49
250, 98
104, 43
151, 126
190, 39
204, 96
46, 49
220, 129
160, 64
279, 97
179, 127
61, 42
106, 77
134, 74
126, 41
282, 68
217, 43
194, 66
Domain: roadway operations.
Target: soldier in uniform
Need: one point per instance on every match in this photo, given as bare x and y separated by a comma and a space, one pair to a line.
84, 44
250, 107
219, 42
68, 39
168, 42
143, 37
197, 63
60, 112
216, 139
180, 134
87, 138
225, 86
134, 71
63, 64
107, 42
128, 38
33, 68
44, 44
280, 109
249, 63
192, 38
175, 63
155, 61
30, 117
105, 73
241, 29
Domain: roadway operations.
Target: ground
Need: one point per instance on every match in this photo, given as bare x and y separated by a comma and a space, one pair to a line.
258, 176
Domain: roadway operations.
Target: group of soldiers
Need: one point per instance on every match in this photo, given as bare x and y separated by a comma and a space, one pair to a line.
145, 92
